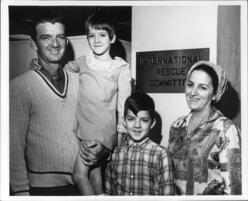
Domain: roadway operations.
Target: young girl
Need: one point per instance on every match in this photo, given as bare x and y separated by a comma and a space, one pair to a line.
103, 88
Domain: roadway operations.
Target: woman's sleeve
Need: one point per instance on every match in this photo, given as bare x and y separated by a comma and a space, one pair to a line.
19, 121
230, 159
124, 90
175, 131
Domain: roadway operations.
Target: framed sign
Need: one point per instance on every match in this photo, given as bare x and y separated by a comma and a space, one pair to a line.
165, 71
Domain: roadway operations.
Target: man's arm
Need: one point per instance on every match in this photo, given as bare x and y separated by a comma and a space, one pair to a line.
19, 120
76, 65
93, 156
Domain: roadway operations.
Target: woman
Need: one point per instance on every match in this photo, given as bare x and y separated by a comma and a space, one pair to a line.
205, 145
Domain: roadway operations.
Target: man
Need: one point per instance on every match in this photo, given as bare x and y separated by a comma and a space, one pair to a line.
43, 147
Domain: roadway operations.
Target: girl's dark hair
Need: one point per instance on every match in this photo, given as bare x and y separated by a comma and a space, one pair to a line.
100, 21
139, 101
43, 17
211, 72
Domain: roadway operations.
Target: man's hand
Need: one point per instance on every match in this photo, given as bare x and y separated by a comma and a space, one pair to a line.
92, 152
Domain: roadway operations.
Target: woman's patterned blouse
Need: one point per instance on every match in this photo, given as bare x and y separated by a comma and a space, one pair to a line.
207, 161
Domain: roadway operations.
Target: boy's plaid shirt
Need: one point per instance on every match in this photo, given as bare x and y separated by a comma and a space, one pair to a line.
140, 169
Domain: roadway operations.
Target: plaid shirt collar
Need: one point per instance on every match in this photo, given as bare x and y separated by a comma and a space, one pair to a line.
131, 143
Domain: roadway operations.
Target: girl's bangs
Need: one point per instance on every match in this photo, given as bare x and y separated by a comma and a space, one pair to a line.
100, 27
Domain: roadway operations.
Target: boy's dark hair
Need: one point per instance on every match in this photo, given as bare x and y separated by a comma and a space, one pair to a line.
100, 21
43, 17
140, 101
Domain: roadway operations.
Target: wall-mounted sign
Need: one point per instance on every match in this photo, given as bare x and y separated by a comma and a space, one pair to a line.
165, 71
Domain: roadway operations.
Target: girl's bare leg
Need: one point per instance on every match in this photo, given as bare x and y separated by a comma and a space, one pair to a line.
81, 177
96, 180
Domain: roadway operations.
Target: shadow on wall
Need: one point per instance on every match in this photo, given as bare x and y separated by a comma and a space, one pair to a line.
69, 54
229, 104
117, 49
155, 134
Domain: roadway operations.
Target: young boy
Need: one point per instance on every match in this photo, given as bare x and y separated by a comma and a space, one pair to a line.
138, 165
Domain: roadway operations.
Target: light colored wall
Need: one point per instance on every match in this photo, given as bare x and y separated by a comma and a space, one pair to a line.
21, 52
170, 28
228, 51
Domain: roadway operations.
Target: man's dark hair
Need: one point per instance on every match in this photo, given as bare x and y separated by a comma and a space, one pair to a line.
140, 101
43, 17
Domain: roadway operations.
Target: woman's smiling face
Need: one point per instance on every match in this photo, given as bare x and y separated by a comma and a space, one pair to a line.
199, 91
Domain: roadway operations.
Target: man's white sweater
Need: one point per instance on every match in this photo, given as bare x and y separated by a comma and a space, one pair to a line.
43, 147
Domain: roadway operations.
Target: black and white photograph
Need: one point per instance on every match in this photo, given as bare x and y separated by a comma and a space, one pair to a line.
123, 100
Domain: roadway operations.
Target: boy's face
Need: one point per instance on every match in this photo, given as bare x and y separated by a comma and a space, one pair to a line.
99, 41
138, 126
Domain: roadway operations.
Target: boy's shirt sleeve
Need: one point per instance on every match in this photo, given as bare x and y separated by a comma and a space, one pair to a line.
165, 175
109, 180
124, 90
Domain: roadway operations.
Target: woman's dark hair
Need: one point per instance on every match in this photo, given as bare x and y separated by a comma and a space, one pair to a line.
212, 74
100, 21
139, 101
43, 17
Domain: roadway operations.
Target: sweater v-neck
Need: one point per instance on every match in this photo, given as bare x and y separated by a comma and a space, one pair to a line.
52, 87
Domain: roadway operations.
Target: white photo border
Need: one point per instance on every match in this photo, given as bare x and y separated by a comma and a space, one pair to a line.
4, 140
